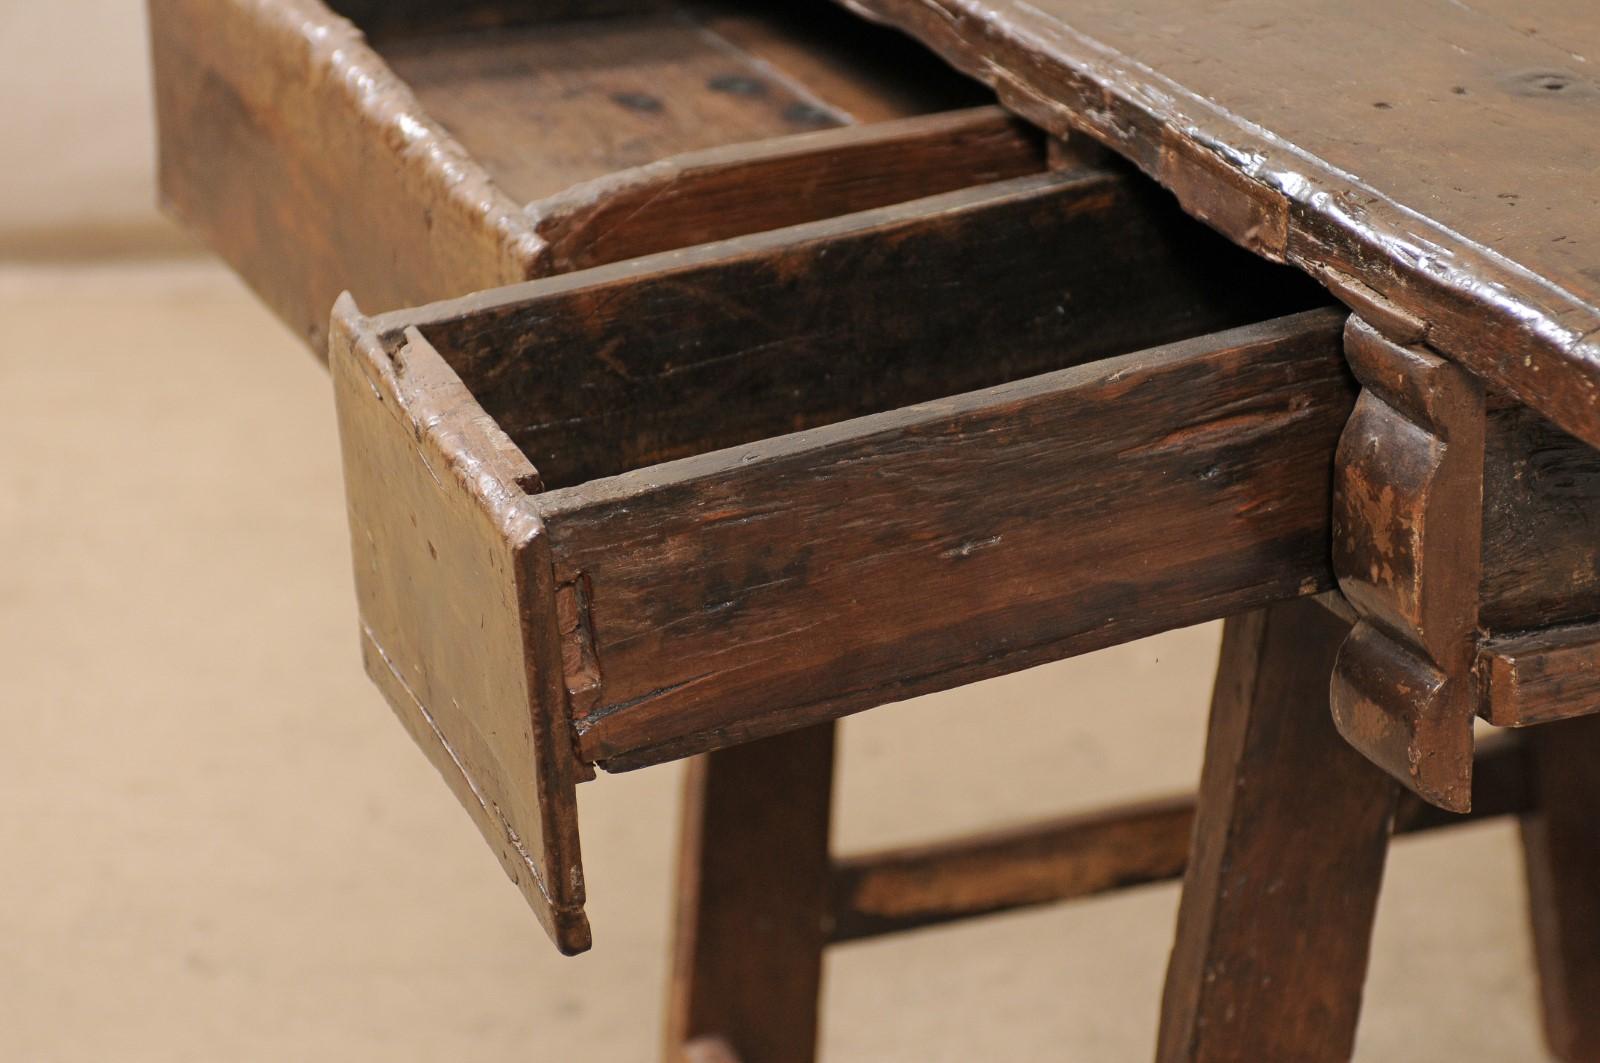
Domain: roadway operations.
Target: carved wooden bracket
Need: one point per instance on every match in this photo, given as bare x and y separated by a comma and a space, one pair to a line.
1407, 524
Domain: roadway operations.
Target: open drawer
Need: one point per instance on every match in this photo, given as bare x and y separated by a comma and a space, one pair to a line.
469, 146
644, 510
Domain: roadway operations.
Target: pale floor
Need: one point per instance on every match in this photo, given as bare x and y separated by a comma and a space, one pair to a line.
219, 846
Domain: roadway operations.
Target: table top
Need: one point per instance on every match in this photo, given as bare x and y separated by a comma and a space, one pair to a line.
1440, 153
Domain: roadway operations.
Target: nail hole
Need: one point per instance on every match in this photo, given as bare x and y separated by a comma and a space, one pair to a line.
637, 101
737, 85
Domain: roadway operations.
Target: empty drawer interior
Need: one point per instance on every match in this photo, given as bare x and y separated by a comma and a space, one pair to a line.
416, 151
547, 100
625, 366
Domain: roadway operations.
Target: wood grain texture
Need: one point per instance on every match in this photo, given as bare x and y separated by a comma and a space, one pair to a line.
549, 105
315, 165
294, 151
1561, 842
402, 18
1080, 856
783, 566
1407, 529
752, 902
457, 620
867, 72
1083, 855
746, 188
1450, 170
1550, 674
1291, 831
796, 579
1541, 525
613, 369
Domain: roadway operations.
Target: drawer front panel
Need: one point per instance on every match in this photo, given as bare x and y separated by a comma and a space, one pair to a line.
768, 586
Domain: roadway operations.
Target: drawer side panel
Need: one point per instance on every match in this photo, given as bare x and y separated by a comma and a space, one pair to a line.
765, 587
456, 606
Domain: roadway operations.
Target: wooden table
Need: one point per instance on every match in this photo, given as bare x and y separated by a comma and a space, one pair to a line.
1434, 166
639, 508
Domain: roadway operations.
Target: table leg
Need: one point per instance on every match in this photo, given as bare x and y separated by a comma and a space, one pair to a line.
752, 902
1561, 842
1291, 831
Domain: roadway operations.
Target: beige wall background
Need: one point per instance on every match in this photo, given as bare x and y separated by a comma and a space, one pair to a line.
218, 845
78, 143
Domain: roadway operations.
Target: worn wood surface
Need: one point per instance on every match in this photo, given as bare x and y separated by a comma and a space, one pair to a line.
294, 151
457, 610
869, 73
1451, 169
1550, 674
752, 902
881, 893
612, 369
548, 105
386, 19
1541, 525
1291, 831
1562, 845
876, 893
301, 155
755, 589
746, 188
1407, 529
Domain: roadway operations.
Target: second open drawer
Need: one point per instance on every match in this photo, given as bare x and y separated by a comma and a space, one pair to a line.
641, 511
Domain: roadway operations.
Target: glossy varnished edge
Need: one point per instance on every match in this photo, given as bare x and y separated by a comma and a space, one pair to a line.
1507, 324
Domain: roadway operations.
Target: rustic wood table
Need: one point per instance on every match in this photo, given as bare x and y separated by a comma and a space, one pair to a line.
801, 378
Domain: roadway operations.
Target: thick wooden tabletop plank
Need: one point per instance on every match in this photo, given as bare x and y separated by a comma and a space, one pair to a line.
1441, 152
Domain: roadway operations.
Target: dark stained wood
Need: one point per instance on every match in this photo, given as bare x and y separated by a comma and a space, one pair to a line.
796, 579
457, 610
1406, 545
1551, 674
608, 370
1088, 854
746, 188
1541, 525
882, 893
1446, 170
307, 162
1562, 844
1290, 836
752, 902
